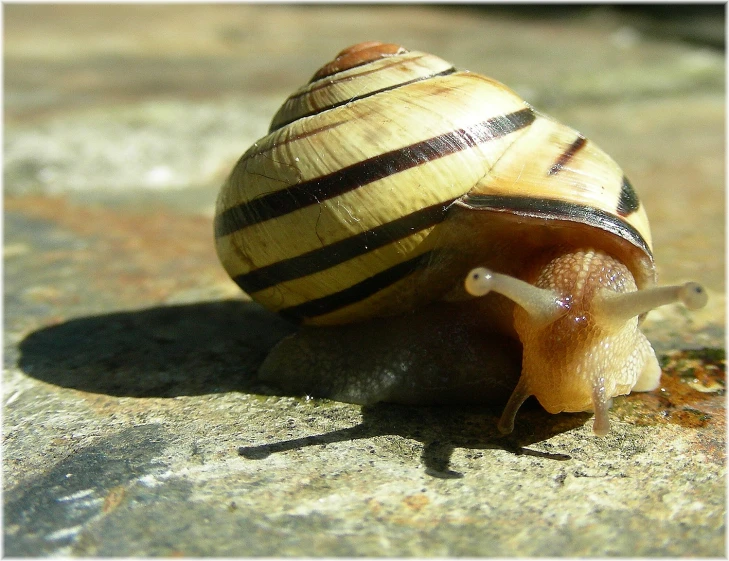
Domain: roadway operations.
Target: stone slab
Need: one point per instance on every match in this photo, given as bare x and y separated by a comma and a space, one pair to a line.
133, 423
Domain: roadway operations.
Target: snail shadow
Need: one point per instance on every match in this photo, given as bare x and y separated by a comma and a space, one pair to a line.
440, 429
216, 347
165, 351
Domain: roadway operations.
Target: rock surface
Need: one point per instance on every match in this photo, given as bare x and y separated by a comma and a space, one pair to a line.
133, 421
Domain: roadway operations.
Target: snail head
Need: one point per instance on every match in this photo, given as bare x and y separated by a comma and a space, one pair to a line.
578, 324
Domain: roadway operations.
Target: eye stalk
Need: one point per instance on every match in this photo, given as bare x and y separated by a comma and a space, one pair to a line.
544, 306
623, 306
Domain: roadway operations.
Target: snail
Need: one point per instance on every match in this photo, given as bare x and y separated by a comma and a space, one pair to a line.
437, 239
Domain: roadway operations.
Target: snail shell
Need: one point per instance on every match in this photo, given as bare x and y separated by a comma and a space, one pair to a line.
384, 186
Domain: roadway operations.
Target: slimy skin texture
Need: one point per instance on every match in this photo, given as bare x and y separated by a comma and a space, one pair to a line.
564, 361
583, 359
442, 354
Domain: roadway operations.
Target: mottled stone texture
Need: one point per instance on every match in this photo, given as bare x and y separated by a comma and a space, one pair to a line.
133, 421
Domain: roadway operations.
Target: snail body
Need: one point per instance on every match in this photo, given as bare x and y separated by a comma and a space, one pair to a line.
388, 191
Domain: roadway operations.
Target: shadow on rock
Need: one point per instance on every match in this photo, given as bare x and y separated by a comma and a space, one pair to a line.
441, 430
218, 347
157, 352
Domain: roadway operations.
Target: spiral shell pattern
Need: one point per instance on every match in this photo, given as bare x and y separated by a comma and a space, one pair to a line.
329, 218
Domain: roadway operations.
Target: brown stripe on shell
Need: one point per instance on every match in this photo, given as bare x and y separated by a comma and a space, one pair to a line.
356, 292
349, 178
552, 209
358, 55
338, 252
282, 141
352, 76
567, 155
277, 125
628, 202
